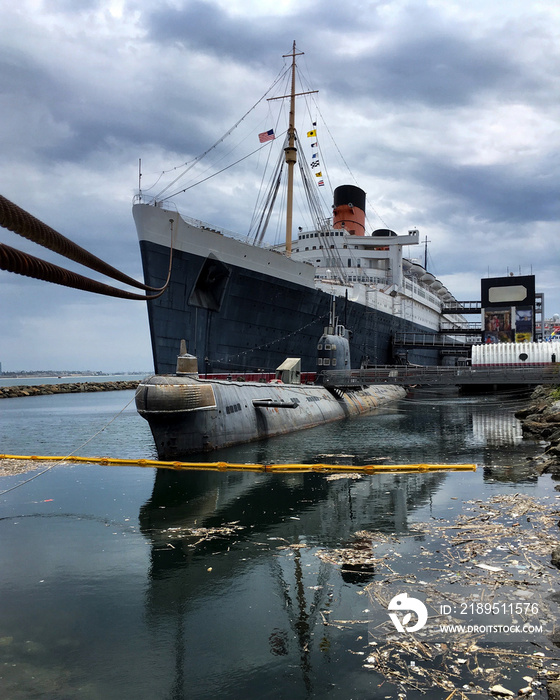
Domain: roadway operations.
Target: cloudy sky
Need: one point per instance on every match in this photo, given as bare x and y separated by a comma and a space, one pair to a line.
446, 112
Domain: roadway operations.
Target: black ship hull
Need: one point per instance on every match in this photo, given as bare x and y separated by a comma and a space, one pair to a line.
240, 320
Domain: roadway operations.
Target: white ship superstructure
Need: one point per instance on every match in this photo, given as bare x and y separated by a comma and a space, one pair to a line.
374, 272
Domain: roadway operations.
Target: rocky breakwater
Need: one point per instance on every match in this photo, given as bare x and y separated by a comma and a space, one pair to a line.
541, 420
10, 392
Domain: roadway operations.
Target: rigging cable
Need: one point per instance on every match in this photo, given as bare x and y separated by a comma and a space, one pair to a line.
214, 174
191, 163
258, 210
262, 224
306, 86
347, 166
332, 255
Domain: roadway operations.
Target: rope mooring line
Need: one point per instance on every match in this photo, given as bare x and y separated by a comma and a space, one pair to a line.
16, 219
13, 260
23, 223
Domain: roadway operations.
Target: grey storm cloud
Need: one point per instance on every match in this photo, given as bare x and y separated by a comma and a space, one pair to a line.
208, 28
496, 194
438, 70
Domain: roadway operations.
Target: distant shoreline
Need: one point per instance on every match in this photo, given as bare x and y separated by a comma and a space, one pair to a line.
52, 374
21, 390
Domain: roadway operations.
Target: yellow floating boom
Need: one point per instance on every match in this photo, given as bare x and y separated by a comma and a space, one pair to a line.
229, 466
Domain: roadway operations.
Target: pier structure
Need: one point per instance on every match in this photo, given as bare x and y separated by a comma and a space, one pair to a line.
457, 339
410, 375
452, 338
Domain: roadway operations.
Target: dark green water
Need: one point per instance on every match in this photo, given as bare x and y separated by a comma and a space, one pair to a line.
110, 590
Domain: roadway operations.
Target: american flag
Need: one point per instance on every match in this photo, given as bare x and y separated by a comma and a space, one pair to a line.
266, 136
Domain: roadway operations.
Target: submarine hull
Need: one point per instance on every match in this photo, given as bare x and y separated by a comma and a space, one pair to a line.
189, 415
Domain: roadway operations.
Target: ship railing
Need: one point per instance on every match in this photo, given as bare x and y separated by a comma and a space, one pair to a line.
197, 223
204, 226
350, 279
331, 281
140, 198
419, 291
421, 288
414, 375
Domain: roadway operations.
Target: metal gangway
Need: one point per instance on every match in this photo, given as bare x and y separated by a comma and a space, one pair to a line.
467, 328
462, 307
433, 340
410, 375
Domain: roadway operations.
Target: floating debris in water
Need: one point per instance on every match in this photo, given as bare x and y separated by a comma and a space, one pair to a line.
346, 475
9, 467
493, 559
203, 533
357, 561
332, 454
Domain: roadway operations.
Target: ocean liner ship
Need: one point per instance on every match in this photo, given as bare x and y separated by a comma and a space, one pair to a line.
244, 306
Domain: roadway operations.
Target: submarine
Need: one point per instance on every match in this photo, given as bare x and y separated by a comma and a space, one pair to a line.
190, 414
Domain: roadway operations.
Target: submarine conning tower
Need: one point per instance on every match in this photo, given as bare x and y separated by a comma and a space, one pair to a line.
333, 350
349, 209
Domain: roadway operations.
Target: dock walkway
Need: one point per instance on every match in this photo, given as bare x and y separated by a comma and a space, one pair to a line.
406, 375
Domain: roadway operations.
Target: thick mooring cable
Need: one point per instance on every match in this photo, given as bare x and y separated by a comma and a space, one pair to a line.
19, 221
13, 260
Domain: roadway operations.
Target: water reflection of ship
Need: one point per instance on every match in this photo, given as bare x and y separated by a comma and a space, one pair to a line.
206, 584
496, 428
260, 501
499, 428
456, 420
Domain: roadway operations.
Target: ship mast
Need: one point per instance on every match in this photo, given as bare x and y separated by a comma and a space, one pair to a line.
291, 153
291, 150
